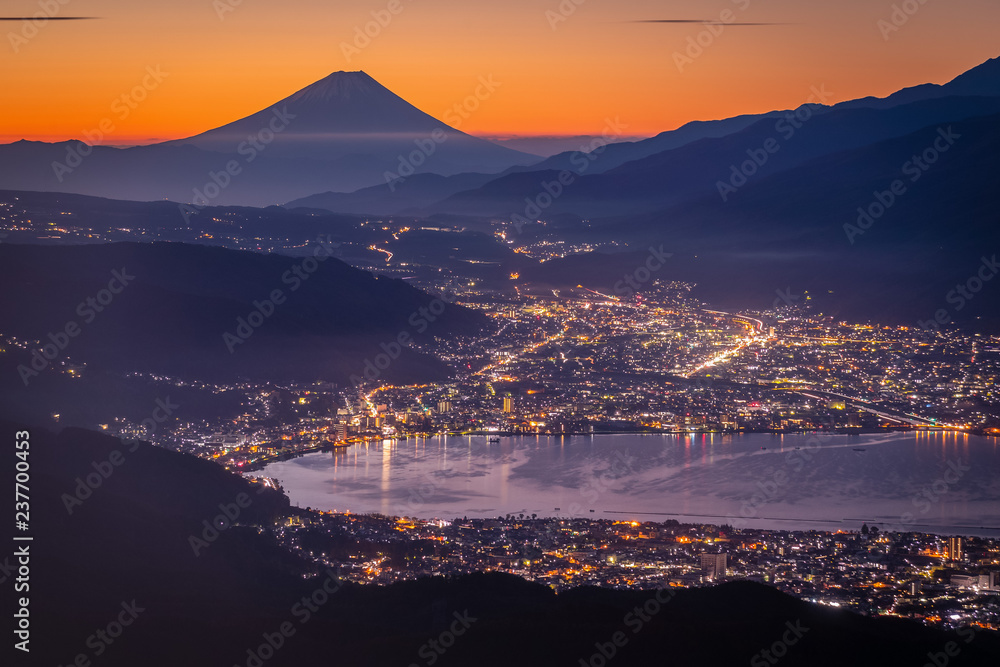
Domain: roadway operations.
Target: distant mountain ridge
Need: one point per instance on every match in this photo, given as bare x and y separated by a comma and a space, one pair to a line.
341, 133
398, 197
684, 155
982, 80
216, 314
694, 169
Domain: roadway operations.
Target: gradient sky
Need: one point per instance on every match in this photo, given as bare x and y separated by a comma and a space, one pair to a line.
597, 64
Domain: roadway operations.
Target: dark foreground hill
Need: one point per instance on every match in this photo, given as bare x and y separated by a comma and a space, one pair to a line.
210, 313
197, 313
125, 553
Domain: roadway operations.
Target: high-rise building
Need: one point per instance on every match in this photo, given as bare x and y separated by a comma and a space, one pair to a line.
955, 548
444, 406
714, 565
990, 581
342, 430
508, 403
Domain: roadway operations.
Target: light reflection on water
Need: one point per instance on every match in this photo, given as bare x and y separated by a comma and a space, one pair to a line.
934, 482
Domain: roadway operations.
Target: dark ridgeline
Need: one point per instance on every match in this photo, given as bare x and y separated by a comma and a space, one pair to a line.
787, 232
682, 165
171, 320
130, 540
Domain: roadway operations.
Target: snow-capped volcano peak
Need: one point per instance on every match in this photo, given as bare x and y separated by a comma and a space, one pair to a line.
342, 85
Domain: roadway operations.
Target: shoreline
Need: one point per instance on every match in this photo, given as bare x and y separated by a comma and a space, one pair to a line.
261, 463
575, 503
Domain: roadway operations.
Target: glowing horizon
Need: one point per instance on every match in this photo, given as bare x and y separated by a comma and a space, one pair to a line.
561, 74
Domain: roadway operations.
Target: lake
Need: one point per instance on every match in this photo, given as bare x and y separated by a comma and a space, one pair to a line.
935, 482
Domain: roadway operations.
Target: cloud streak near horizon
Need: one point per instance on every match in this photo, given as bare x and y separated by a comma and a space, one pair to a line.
709, 21
49, 18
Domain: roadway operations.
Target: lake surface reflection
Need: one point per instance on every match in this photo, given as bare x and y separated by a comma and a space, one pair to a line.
931, 482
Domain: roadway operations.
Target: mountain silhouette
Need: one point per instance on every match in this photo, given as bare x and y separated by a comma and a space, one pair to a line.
180, 301
682, 165
341, 133
351, 115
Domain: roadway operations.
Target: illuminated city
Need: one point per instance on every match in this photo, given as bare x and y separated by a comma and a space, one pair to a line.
556, 334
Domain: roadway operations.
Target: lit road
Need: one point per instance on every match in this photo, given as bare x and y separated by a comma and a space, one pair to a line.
752, 329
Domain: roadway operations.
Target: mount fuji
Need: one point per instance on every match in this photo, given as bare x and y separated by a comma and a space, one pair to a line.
343, 132
350, 115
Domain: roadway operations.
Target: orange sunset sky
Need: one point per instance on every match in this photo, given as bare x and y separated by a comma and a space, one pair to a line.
556, 78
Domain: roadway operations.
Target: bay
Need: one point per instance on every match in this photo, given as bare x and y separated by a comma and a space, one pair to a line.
935, 482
